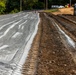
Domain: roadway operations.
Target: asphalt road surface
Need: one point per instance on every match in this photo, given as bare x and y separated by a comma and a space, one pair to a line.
15, 32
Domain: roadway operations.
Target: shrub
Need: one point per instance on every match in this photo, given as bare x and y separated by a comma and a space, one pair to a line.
2, 7
15, 11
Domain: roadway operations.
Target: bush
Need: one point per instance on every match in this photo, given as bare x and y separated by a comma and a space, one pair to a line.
38, 5
15, 11
2, 7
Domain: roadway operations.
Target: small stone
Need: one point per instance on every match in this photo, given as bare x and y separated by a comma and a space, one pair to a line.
65, 64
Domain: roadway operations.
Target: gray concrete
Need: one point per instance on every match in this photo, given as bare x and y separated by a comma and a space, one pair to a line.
14, 31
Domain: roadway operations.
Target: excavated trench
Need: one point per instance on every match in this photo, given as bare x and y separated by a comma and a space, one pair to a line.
53, 49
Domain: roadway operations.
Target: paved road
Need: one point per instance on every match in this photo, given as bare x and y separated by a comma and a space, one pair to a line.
15, 31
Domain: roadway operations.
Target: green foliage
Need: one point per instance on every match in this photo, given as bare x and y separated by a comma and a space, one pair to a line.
28, 4
2, 7
15, 11
13, 6
38, 5
51, 10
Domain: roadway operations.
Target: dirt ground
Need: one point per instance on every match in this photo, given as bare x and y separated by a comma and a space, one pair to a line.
54, 58
65, 11
48, 55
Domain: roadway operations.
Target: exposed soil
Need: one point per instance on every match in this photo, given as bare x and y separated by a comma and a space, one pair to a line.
54, 58
65, 11
72, 17
68, 25
48, 55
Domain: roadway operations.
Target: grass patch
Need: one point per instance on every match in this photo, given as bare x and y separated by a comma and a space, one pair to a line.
51, 10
